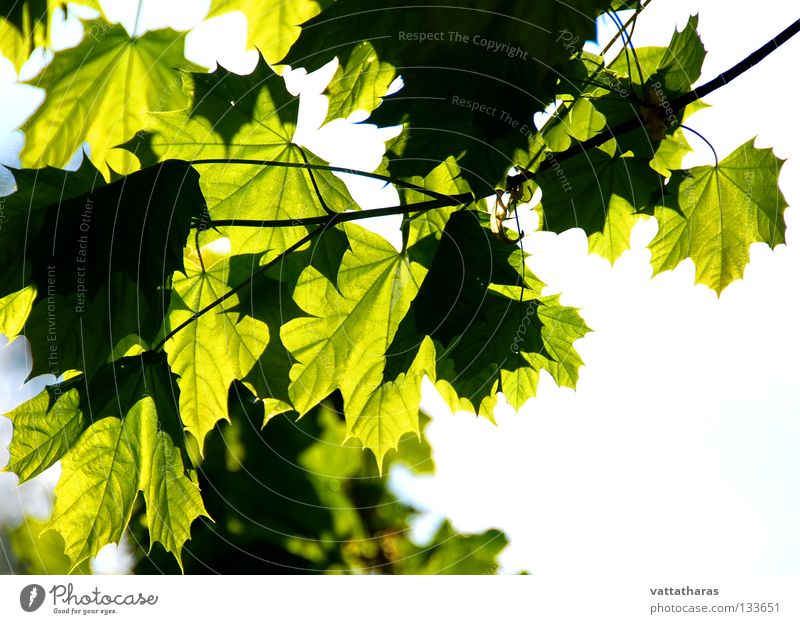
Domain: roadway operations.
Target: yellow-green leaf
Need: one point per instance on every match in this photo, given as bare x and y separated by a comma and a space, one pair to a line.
99, 91
360, 84
272, 25
249, 117
44, 430
102, 474
713, 214
379, 418
173, 499
212, 351
14, 311
100, 479
344, 341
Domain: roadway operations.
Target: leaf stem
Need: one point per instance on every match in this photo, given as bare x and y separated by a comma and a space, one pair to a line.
314, 184
134, 33
631, 20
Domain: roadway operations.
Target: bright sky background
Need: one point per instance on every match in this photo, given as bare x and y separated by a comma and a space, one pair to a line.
678, 452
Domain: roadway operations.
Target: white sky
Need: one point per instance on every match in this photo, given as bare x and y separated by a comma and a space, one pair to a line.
678, 452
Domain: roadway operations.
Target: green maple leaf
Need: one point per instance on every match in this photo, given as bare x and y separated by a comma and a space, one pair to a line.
14, 310
245, 117
491, 334
374, 287
25, 26
712, 214
380, 417
44, 429
272, 25
173, 499
360, 84
103, 472
344, 341
99, 92
212, 351
70, 235
682, 60
676, 67
27, 210
49, 424
95, 496
13, 44
561, 327
601, 194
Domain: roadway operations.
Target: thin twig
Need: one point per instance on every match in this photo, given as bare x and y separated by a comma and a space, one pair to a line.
565, 107
632, 18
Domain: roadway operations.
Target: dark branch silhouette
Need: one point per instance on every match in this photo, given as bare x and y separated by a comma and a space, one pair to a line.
333, 218
679, 103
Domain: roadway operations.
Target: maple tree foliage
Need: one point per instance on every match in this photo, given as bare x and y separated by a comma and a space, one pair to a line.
202, 286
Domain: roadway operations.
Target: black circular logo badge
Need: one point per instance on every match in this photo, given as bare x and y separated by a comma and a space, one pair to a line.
31, 597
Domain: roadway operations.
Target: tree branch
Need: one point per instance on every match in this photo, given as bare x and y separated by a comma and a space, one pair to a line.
331, 168
678, 104
737, 70
341, 217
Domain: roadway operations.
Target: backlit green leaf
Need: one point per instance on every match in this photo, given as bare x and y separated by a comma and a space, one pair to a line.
173, 499
603, 195
14, 310
344, 341
713, 214
112, 461
212, 351
380, 417
360, 84
245, 117
101, 476
272, 25
99, 92
44, 429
